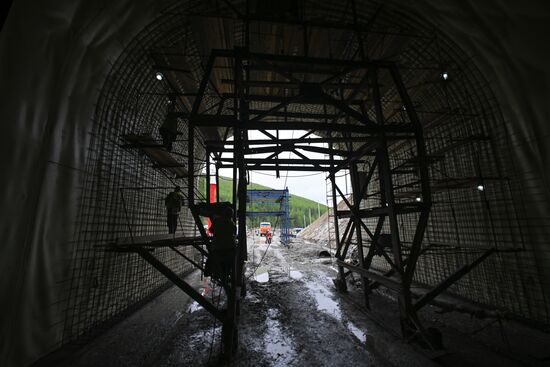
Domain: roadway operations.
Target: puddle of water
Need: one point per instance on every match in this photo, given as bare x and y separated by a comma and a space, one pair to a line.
324, 300
262, 278
326, 303
277, 345
262, 274
360, 335
295, 274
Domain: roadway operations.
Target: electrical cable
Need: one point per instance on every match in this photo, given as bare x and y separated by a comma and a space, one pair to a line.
263, 256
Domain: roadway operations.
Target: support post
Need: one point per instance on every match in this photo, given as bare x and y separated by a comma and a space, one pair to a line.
356, 190
341, 280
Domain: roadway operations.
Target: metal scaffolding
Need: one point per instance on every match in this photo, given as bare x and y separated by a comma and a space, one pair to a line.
273, 203
362, 141
415, 147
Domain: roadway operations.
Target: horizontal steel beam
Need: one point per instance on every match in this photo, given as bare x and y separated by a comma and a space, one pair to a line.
317, 140
279, 168
385, 281
283, 148
309, 60
291, 85
299, 115
231, 121
382, 211
283, 161
265, 214
290, 69
279, 99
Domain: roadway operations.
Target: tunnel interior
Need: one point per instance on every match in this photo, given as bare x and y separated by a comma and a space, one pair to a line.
472, 169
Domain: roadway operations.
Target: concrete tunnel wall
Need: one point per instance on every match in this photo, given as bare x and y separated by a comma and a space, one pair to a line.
54, 58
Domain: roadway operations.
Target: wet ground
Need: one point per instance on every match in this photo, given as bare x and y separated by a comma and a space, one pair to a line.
291, 316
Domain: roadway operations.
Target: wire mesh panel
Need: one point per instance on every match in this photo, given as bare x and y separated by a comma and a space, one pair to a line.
472, 168
124, 191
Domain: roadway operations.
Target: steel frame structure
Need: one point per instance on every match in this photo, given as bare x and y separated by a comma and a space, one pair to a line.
272, 196
461, 117
373, 138
360, 138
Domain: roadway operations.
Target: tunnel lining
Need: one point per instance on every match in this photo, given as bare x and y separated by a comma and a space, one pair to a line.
522, 295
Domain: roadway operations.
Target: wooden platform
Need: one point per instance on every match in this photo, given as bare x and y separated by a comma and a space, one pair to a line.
160, 157
162, 240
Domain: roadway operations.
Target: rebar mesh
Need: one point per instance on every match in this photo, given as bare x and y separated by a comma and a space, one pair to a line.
466, 139
123, 195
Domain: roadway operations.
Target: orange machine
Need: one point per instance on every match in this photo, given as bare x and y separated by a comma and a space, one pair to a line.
265, 228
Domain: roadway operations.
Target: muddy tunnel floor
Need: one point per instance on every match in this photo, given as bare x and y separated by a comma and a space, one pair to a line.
291, 316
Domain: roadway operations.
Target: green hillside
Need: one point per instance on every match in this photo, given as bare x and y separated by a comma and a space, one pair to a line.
300, 207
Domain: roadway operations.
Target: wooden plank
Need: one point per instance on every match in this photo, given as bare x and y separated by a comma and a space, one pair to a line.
161, 240
157, 153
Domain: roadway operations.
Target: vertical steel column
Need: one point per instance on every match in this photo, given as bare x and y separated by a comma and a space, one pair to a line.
356, 192
405, 304
425, 204
240, 143
341, 281
191, 145
191, 164
217, 183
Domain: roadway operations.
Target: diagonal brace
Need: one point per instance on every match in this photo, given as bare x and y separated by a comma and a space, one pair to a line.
180, 283
453, 278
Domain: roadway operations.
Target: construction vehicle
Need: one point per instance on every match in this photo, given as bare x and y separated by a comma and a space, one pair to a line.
265, 229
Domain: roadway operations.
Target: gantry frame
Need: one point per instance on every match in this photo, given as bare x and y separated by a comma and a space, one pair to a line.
355, 139
280, 197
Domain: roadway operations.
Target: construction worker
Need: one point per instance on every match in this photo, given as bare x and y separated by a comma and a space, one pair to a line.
169, 128
222, 251
173, 201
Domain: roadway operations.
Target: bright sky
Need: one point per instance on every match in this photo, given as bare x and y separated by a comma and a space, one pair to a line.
311, 185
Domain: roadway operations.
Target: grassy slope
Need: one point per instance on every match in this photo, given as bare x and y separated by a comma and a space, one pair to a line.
299, 206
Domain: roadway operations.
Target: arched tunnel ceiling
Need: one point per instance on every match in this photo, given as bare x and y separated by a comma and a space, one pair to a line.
54, 59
